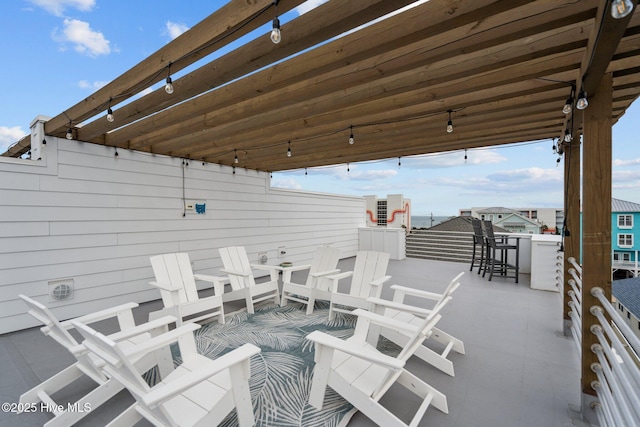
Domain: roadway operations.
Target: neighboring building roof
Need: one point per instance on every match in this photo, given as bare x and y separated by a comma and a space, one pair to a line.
461, 223
627, 291
496, 210
618, 205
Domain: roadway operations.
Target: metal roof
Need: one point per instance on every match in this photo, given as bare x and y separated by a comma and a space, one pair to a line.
627, 291
618, 205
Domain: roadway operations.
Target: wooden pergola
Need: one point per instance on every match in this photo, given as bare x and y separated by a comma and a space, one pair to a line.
501, 71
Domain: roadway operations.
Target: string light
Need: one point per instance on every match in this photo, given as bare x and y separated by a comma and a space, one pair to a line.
110, 117
305, 171
351, 139
289, 149
567, 136
582, 100
399, 163
168, 87
69, 134
568, 105
621, 8
348, 169
465, 155
449, 123
235, 157
276, 36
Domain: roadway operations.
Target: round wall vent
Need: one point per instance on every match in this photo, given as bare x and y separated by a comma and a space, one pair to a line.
62, 291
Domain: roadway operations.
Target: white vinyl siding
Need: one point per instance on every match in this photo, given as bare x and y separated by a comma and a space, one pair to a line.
86, 215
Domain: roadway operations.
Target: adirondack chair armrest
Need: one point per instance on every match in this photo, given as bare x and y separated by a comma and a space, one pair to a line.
165, 286
161, 340
296, 267
418, 311
126, 334
236, 273
266, 267
415, 292
172, 388
324, 273
107, 313
336, 278
381, 320
218, 282
379, 281
159, 323
322, 339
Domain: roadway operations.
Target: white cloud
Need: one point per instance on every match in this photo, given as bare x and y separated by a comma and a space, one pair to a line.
57, 7
175, 29
368, 175
433, 161
9, 135
630, 162
289, 183
83, 84
85, 40
308, 5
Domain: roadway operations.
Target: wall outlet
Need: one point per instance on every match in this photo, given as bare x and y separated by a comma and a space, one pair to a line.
282, 251
189, 206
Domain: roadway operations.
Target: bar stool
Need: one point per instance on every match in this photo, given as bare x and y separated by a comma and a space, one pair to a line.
500, 245
478, 240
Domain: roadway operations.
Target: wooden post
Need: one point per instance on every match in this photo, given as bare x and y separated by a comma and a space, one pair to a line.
572, 159
596, 217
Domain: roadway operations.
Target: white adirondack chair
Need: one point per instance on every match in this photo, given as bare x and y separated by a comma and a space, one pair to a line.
177, 284
324, 262
199, 392
367, 278
362, 375
399, 310
243, 285
88, 365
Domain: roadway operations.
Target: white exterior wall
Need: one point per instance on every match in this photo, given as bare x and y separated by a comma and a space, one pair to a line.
83, 214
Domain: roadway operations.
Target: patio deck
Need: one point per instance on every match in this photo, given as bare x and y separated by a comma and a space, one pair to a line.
519, 370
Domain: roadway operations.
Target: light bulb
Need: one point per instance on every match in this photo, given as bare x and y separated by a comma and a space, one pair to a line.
567, 106
168, 87
275, 32
110, 117
69, 134
621, 8
582, 101
449, 126
567, 136
351, 139
235, 158
289, 150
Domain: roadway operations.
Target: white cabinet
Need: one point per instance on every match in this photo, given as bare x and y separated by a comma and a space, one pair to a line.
382, 239
546, 262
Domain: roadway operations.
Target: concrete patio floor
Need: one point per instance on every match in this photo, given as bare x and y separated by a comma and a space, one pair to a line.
518, 370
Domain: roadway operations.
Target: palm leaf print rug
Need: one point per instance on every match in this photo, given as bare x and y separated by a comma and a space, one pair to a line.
281, 374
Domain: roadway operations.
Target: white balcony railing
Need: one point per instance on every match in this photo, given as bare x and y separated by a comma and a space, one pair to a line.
617, 350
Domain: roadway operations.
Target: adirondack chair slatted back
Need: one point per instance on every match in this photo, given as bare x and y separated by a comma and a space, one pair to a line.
369, 266
55, 330
325, 258
121, 368
175, 269
235, 258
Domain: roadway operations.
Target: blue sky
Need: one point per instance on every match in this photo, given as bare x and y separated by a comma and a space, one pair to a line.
57, 52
